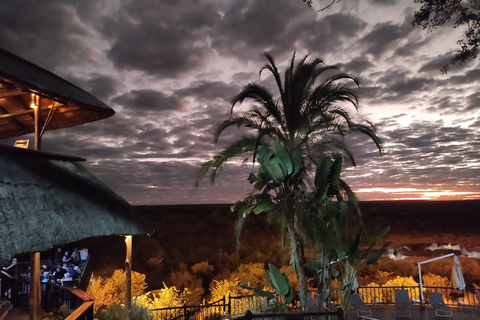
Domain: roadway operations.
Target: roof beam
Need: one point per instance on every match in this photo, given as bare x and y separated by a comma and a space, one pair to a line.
15, 114
17, 124
11, 93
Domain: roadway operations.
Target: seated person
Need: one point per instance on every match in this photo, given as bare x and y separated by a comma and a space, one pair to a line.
59, 274
74, 272
45, 277
66, 258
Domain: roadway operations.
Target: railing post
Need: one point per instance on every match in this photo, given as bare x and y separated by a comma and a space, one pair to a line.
89, 313
47, 297
229, 304
185, 315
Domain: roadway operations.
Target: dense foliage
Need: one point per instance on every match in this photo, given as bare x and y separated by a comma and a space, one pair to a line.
316, 107
109, 291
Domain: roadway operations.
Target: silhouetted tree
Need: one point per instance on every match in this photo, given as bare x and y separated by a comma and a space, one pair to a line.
306, 122
435, 13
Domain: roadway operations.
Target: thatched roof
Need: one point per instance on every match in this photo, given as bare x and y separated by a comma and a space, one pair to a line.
20, 78
48, 200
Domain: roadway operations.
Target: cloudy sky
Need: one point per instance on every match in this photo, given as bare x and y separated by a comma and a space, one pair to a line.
170, 68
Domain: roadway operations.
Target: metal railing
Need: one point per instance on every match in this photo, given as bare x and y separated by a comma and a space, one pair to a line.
386, 295
237, 306
212, 310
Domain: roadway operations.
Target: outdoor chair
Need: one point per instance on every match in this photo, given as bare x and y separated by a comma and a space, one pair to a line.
360, 307
441, 309
402, 304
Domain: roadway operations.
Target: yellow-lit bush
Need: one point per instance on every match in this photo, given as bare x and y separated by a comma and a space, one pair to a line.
185, 280
111, 290
434, 280
163, 298
253, 273
226, 288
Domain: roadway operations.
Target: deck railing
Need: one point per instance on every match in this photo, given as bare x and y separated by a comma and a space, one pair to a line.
386, 295
53, 297
237, 306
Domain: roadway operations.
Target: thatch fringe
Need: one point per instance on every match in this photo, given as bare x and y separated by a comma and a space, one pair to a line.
47, 200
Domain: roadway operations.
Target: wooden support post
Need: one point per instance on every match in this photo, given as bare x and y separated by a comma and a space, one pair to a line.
34, 294
128, 278
38, 138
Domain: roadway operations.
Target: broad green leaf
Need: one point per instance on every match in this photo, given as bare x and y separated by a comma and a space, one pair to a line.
273, 168
281, 153
263, 206
321, 175
288, 297
335, 171
281, 286
256, 291
264, 153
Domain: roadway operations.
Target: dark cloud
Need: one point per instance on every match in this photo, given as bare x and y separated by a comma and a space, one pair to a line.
473, 101
435, 65
409, 86
466, 78
385, 36
50, 34
102, 86
411, 47
249, 28
357, 66
332, 33
210, 90
383, 2
161, 38
148, 100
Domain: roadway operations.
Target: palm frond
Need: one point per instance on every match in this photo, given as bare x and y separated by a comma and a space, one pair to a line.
261, 95
245, 145
274, 71
239, 120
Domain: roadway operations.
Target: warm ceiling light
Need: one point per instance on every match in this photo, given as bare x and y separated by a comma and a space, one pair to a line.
34, 101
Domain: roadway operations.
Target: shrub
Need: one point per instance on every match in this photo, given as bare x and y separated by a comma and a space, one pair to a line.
163, 298
111, 290
225, 288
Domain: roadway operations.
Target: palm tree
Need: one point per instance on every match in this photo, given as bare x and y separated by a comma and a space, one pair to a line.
308, 119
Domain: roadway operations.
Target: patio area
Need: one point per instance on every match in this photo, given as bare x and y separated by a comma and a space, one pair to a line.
387, 312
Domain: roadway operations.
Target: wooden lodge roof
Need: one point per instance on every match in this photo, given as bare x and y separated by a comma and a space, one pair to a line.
19, 79
49, 199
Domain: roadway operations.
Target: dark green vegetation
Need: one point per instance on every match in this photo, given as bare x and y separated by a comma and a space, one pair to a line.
459, 13
192, 234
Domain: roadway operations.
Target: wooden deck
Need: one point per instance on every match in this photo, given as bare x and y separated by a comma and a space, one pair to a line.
387, 312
